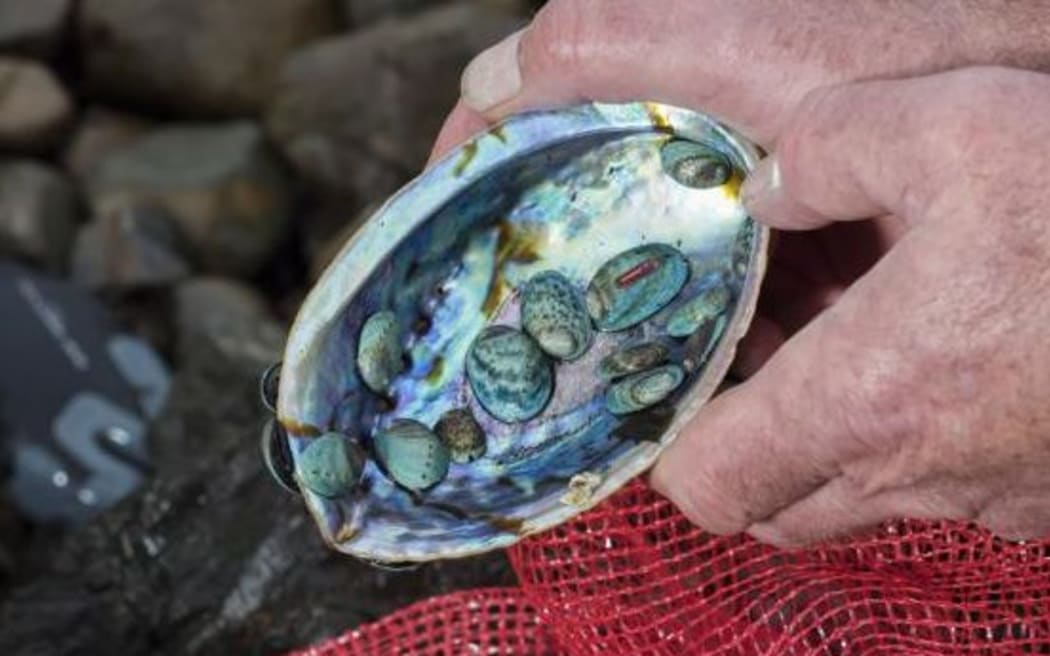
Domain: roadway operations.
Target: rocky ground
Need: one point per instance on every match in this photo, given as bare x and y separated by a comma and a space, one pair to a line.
195, 163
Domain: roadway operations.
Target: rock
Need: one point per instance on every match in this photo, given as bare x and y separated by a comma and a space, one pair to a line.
226, 316
363, 12
366, 143
35, 109
134, 247
195, 57
38, 213
32, 28
101, 132
219, 182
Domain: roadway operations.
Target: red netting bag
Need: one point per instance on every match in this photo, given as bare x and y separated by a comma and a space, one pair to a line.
634, 578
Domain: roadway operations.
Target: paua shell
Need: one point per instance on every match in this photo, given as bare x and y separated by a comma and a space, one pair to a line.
331, 465
695, 165
450, 256
462, 434
511, 377
705, 307
379, 351
635, 284
632, 359
553, 313
644, 389
411, 454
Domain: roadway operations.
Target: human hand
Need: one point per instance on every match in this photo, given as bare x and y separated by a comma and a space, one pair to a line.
921, 391
747, 61
734, 467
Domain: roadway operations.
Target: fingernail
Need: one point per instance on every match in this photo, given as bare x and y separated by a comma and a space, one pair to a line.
762, 183
494, 77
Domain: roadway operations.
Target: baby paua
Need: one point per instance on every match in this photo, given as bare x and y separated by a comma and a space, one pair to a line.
413, 456
642, 390
331, 465
553, 313
695, 165
635, 285
632, 359
704, 308
379, 355
461, 433
509, 374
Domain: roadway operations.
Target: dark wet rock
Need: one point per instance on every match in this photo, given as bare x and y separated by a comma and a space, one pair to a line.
363, 12
129, 248
33, 27
219, 182
327, 230
101, 132
367, 144
211, 557
35, 110
195, 57
38, 213
227, 316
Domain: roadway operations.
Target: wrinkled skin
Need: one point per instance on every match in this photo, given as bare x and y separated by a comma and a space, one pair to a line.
900, 364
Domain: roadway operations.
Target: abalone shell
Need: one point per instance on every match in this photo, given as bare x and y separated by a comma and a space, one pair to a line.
553, 313
644, 389
510, 375
635, 284
449, 257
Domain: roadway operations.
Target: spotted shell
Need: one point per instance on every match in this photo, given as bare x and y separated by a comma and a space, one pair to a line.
331, 465
450, 257
695, 165
412, 455
379, 351
705, 307
462, 434
553, 313
632, 359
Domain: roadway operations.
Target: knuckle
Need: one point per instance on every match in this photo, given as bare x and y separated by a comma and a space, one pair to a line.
706, 506
566, 34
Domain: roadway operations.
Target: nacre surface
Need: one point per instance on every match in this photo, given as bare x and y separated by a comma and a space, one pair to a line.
449, 256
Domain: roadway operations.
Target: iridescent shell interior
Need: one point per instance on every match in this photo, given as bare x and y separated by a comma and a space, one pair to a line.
566, 191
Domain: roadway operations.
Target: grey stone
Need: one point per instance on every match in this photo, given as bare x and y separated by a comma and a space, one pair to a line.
219, 182
101, 131
226, 316
135, 247
195, 57
33, 27
327, 231
38, 213
35, 110
357, 114
363, 12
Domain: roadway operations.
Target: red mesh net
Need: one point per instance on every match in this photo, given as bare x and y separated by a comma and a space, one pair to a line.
634, 578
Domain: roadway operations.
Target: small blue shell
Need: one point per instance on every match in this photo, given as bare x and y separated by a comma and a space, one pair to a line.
331, 465
379, 356
632, 359
510, 375
705, 307
553, 313
412, 456
643, 390
635, 285
695, 165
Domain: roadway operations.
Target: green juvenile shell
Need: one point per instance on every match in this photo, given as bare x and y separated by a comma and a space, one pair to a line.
705, 307
632, 360
509, 374
553, 313
411, 454
331, 465
462, 435
634, 285
643, 389
695, 165
379, 356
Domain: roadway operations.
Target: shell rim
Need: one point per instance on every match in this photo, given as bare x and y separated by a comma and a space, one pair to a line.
613, 118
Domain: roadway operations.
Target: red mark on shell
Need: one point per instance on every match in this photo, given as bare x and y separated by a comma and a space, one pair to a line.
637, 272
